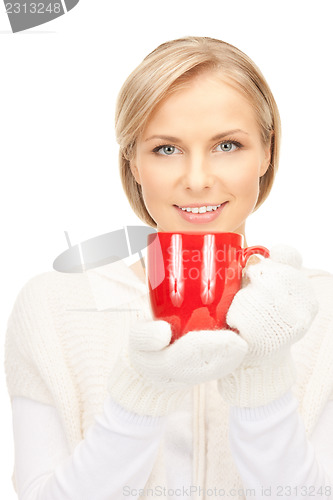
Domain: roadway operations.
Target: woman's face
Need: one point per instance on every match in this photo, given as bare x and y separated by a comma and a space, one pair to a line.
201, 148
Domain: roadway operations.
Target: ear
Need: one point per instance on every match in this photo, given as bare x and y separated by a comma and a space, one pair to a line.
267, 156
135, 171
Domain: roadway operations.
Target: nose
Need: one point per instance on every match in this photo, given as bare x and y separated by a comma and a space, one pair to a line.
197, 173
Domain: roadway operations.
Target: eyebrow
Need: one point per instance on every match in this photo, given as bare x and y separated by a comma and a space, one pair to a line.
215, 138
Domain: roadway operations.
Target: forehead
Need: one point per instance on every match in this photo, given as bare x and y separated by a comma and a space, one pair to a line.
204, 102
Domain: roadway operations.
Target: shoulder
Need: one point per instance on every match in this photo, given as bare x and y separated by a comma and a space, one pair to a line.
48, 281
42, 299
322, 283
58, 294
41, 288
30, 298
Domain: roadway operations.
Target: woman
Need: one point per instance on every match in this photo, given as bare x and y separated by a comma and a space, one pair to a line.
103, 406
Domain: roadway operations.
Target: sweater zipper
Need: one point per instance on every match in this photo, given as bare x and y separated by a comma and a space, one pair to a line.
199, 442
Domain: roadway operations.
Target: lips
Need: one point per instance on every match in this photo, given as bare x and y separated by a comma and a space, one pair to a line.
200, 218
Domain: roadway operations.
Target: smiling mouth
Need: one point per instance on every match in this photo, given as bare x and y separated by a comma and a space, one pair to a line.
199, 209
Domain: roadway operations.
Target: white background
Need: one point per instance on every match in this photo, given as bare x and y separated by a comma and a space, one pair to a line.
59, 169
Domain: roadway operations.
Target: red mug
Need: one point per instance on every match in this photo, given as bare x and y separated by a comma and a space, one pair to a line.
193, 277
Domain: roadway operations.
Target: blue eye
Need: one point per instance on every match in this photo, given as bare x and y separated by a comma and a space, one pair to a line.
227, 146
167, 149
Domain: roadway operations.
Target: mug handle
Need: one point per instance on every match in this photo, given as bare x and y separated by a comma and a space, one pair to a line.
247, 252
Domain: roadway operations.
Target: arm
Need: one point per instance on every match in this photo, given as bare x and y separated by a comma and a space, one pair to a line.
120, 448
274, 456
118, 451
268, 438
148, 380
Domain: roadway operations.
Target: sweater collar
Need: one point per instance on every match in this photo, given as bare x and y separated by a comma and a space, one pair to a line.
115, 286
120, 272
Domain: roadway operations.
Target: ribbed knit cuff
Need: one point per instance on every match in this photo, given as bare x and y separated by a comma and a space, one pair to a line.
116, 412
257, 385
263, 412
135, 394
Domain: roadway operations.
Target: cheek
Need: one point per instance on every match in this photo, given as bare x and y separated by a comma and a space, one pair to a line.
244, 180
156, 180
151, 183
154, 188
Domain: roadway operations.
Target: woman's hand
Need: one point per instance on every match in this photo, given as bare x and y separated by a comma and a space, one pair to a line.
151, 376
272, 312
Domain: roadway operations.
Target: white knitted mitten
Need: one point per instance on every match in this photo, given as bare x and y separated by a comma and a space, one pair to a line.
272, 312
151, 377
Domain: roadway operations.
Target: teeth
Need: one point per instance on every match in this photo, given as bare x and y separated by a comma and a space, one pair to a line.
200, 210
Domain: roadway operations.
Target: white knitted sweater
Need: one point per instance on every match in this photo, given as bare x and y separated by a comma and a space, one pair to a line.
66, 331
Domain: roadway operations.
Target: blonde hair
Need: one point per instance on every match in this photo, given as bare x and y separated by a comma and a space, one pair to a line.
166, 69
